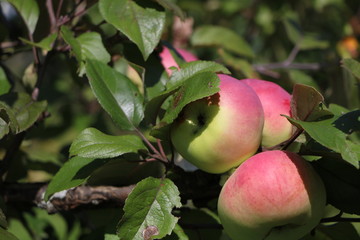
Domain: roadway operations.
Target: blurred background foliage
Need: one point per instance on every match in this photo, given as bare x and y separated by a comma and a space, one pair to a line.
286, 42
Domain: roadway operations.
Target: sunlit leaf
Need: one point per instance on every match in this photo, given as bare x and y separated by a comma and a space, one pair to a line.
148, 210
72, 174
92, 143
116, 93
143, 26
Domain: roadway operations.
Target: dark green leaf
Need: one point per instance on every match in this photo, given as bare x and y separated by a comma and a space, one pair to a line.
305, 102
353, 66
45, 43
331, 133
24, 108
5, 235
148, 210
221, 37
3, 222
143, 26
92, 143
342, 183
116, 94
4, 83
73, 173
29, 11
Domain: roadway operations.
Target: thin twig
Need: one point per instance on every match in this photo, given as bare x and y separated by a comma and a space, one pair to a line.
52, 17
58, 11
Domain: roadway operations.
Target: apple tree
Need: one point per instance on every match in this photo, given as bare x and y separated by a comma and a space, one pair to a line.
91, 90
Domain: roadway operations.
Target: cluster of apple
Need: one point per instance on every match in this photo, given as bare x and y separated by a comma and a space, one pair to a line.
272, 194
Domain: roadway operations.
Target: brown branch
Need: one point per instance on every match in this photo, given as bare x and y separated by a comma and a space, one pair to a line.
82, 196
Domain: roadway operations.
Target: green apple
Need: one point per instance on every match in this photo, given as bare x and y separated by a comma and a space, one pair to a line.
276, 102
274, 195
221, 131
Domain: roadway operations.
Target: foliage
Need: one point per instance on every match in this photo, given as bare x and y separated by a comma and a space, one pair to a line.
85, 101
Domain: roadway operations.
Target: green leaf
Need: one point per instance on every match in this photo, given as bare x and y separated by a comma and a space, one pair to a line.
87, 46
180, 232
143, 26
304, 41
4, 82
342, 183
116, 93
29, 11
305, 102
92, 143
23, 108
68, 37
238, 64
111, 237
195, 73
221, 37
189, 69
169, 5
201, 85
5, 235
73, 173
331, 133
352, 65
148, 210
45, 43
4, 128
3, 222
92, 47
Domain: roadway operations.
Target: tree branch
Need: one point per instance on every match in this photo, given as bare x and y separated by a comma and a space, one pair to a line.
82, 196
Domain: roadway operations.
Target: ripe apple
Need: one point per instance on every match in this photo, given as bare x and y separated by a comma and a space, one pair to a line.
221, 131
275, 101
167, 60
274, 195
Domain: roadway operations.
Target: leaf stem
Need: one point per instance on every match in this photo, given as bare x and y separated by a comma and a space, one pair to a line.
156, 154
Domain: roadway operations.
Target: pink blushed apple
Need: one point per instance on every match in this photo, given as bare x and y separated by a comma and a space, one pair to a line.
221, 131
167, 60
274, 195
276, 102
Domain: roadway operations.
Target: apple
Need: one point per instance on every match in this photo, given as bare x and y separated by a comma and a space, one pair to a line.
221, 131
274, 195
167, 60
275, 101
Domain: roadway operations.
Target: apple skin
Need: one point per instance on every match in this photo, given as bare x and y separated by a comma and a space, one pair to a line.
274, 195
168, 61
275, 101
221, 131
